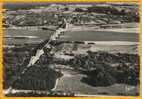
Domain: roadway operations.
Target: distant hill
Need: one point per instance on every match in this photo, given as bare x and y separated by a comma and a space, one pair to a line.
30, 5
23, 5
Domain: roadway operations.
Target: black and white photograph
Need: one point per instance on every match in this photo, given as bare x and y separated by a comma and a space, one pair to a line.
71, 49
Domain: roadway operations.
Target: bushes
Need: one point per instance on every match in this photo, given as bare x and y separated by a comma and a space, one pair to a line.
103, 69
128, 74
38, 78
99, 77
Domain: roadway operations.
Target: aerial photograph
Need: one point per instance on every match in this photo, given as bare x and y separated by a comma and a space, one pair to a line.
71, 49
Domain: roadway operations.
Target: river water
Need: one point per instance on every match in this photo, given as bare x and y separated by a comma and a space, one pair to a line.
12, 36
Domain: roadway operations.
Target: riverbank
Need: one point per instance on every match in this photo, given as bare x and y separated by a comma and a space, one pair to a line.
125, 28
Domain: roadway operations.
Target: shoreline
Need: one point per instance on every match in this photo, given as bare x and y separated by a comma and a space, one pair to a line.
121, 30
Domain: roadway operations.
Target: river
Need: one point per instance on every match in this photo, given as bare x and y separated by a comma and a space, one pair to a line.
21, 36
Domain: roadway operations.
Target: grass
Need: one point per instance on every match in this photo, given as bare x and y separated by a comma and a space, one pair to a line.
73, 83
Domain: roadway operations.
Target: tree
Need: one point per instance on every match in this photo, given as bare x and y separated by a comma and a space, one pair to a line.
78, 10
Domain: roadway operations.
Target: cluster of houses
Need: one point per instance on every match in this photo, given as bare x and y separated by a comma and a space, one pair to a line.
76, 14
